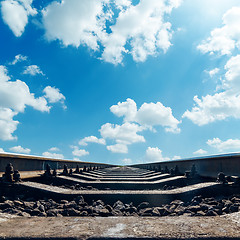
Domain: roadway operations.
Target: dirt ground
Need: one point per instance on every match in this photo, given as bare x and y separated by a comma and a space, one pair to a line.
180, 227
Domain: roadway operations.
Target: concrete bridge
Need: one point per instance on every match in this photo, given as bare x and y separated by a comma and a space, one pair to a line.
62, 199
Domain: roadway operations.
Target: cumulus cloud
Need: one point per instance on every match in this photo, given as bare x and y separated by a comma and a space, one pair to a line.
135, 121
53, 149
53, 155
15, 14
16, 94
79, 152
75, 22
213, 107
18, 58
213, 72
91, 139
117, 27
33, 70
155, 155
127, 109
230, 144
200, 152
225, 39
223, 104
14, 97
141, 26
53, 95
149, 114
137, 29
153, 114
125, 133
118, 148
123, 4
176, 157
20, 149
7, 124
1, 150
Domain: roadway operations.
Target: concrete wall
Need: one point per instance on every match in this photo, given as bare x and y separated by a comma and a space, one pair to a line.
32, 163
206, 166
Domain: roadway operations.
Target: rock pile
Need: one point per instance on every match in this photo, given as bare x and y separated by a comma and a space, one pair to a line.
198, 206
10, 174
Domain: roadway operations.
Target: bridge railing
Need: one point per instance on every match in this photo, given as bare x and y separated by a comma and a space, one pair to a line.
205, 166
25, 163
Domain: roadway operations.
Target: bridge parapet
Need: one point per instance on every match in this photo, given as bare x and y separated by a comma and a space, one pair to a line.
27, 163
208, 166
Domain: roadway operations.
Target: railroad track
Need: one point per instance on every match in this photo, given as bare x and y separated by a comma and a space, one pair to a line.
179, 191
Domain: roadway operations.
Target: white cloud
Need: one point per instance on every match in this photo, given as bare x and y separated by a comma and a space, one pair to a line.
76, 159
127, 161
213, 72
75, 22
155, 155
225, 39
141, 26
18, 58
15, 14
33, 70
19, 149
200, 152
230, 144
91, 139
221, 105
140, 29
127, 109
149, 114
53, 155
134, 121
7, 124
213, 107
1, 150
176, 157
53, 95
124, 134
79, 152
53, 149
123, 4
231, 83
16, 95
118, 148
153, 114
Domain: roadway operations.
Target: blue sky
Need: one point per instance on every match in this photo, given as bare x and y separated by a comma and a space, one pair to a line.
120, 81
